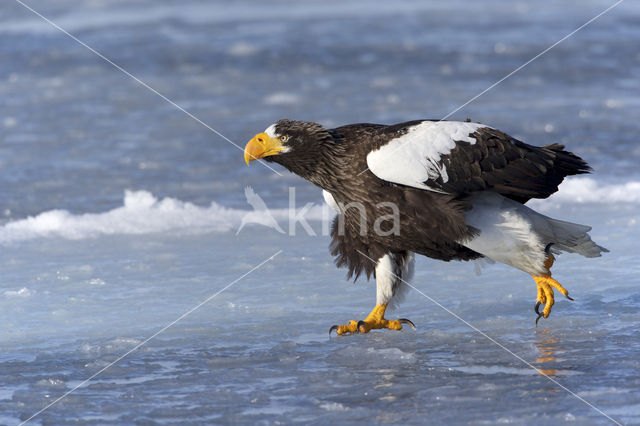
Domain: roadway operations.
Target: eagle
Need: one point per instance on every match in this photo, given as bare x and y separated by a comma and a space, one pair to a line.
448, 190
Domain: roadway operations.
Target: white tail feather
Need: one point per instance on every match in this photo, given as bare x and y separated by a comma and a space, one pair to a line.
512, 233
574, 238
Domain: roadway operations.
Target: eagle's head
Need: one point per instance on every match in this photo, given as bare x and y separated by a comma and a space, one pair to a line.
287, 142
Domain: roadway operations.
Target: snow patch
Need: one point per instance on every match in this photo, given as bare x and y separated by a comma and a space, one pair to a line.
141, 213
589, 190
395, 354
333, 406
282, 98
50, 383
23, 292
242, 49
116, 345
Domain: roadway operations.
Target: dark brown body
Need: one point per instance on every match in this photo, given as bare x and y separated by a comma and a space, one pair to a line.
430, 221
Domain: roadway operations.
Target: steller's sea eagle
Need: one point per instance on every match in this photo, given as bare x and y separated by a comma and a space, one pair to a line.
443, 189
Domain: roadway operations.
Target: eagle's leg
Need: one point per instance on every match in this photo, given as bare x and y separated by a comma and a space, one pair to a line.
545, 290
392, 273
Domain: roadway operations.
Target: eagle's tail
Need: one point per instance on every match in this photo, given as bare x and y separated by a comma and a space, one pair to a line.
574, 238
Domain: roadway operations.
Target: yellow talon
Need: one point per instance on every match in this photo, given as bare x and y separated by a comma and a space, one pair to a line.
558, 286
541, 297
548, 295
545, 290
375, 320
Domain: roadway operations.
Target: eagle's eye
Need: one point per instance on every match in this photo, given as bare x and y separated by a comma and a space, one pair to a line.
284, 138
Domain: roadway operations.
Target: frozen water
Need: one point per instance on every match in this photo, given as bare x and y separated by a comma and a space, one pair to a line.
120, 214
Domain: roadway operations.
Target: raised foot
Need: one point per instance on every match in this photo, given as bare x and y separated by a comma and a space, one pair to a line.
545, 295
375, 320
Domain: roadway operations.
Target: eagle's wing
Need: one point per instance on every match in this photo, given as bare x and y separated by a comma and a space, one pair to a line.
461, 157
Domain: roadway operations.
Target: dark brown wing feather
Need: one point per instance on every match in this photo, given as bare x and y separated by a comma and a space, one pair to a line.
506, 165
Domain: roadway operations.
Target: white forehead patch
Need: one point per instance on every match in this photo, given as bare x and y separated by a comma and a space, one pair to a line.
271, 131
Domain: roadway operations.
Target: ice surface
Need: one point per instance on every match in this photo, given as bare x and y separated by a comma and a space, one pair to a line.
88, 274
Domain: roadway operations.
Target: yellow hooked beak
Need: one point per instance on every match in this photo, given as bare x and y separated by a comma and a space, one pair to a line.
262, 145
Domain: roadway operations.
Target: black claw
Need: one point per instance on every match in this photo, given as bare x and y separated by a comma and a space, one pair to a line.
537, 309
333, 327
570, 298
359, 324
406, 321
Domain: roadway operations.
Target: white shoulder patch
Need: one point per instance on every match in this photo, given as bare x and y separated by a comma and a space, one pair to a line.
328, 198
414, 157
